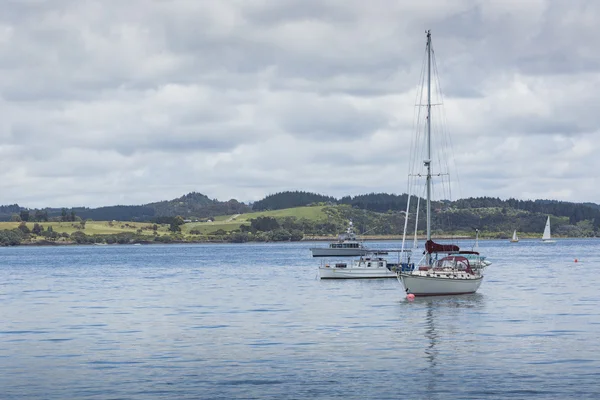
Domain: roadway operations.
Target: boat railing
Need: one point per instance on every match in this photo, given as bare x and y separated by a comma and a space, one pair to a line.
407, 267
401, 267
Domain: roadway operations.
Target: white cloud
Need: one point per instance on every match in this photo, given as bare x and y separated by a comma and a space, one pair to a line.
107, 102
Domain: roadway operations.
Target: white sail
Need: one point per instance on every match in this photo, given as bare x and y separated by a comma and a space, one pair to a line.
514, 237
547, 235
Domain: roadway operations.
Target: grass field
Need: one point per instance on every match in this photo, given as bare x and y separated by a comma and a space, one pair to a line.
91, 227
232, 222
225, 222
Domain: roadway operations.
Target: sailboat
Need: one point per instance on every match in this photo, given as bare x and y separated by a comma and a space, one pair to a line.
514, 239
443, 269
547, 237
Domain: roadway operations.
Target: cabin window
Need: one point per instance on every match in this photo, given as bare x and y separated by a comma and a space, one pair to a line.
368, 264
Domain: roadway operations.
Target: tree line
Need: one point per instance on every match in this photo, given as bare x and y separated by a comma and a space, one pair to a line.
390, 203
378, 213
192, 205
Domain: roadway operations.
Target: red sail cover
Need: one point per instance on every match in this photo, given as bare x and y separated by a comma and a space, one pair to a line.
433, 247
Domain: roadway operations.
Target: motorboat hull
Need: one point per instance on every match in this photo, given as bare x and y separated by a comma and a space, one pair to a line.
420, 284
355, 273
478, 262
329, 252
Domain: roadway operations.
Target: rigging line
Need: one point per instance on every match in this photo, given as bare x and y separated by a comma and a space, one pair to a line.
416, 137
449, 137
419, 113
414, 163
438, 136
450, 165
417, 210
414, 140
440, 123
419, 144
416, 120
442, 150
405, 223
448, 158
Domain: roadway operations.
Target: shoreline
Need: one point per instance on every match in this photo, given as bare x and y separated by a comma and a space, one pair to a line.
370, 238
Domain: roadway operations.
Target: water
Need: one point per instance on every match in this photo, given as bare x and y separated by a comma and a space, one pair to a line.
253, 321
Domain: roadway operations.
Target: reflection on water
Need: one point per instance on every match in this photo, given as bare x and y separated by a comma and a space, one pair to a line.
432, 336
444, 308
430, 349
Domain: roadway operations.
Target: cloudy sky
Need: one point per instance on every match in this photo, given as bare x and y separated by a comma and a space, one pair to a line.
107, 102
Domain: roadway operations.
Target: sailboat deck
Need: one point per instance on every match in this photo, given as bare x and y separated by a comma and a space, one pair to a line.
444, 274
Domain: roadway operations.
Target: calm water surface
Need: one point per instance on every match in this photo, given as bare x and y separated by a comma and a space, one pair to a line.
253, 321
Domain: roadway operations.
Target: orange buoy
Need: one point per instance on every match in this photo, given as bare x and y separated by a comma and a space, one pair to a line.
576, 260
410, 297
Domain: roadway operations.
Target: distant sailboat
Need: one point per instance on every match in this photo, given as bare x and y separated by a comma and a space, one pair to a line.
514, 239
546, 237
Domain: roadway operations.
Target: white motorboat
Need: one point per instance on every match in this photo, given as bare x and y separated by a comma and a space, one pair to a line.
363, 268
436, 274
476, 260
347, 245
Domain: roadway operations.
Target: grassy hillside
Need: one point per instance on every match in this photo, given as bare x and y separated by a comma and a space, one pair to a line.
232, 222
308, 222
226, 223
91, 227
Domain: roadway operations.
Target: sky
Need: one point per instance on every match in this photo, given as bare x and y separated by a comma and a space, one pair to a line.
106, 102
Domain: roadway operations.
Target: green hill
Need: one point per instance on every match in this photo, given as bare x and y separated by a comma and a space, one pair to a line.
229, 223
192, 205
315, 214
197, 205
492, 222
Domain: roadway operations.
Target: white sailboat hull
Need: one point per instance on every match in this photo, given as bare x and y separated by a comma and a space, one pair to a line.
422, 285
355, 273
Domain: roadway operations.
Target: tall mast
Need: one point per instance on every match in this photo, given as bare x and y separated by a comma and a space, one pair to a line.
428, 160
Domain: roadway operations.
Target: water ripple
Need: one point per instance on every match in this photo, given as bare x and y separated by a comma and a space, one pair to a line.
251, 321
